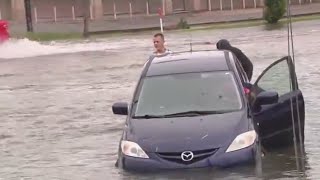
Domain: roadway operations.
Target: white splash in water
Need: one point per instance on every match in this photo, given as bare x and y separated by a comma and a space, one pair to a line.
21, 48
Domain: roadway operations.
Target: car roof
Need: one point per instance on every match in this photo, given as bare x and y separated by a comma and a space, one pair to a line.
188, 62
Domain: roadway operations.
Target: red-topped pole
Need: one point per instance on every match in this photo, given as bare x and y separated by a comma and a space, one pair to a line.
160, 13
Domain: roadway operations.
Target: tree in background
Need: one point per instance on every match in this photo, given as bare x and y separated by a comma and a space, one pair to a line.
27, 5
86, 16
274, 10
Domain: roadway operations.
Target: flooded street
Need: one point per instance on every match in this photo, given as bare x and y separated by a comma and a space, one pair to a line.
55, 110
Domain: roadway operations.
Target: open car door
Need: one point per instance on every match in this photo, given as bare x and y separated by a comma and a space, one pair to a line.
278, 103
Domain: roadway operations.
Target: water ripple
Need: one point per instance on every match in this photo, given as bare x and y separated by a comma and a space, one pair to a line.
55, 110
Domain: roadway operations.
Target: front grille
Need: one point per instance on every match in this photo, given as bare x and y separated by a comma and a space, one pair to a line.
176, 156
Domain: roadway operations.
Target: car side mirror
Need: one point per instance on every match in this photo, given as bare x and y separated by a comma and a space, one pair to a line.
266, 97
120, 108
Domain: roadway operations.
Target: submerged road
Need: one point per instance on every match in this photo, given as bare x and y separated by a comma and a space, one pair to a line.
55, 110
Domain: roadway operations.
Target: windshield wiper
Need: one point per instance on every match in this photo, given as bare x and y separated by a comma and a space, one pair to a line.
181, 114
196, 113
147, 116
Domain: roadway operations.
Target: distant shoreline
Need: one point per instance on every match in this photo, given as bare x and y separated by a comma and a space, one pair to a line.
51, 36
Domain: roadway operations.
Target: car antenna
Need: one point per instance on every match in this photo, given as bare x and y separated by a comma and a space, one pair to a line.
294, 87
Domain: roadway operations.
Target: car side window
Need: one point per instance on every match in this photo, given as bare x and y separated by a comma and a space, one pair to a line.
243, 76
277, 78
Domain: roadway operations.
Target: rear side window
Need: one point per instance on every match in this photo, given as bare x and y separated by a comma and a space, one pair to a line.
240, 69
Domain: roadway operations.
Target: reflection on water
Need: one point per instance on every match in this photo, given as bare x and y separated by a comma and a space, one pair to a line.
280, 164
55, 111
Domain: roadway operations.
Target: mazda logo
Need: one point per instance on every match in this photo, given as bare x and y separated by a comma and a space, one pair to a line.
187, 156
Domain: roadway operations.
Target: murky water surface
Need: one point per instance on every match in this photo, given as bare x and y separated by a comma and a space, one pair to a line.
55, 110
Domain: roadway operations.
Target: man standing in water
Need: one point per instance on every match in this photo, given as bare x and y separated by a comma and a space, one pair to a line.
158, 43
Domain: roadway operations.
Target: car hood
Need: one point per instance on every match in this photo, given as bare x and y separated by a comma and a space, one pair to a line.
187, 133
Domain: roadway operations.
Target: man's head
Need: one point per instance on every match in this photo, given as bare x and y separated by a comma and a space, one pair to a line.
223, 44
158, 42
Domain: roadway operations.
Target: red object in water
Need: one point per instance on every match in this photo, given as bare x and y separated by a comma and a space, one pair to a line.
4, 34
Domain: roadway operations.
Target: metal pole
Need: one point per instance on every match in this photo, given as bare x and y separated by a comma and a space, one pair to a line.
130, 9
73, 13
231, 4
147, 7
35, 14
0, 15
161, 24
114, 10
91, 12
27, 5
221, 5
244, 4
209, 4
255, 3
55, 13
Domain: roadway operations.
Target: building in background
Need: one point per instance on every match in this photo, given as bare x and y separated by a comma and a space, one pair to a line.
12, 9
69, 9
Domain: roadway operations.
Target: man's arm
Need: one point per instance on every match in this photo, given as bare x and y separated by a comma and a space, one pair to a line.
244, 60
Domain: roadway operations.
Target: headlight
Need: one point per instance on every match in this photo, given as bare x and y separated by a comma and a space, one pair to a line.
132, 149
242, 141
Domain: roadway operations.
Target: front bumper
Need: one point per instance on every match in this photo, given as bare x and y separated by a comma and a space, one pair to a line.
220, 160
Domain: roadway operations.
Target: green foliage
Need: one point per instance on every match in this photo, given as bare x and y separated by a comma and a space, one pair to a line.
274, 10
183, 24
46, 36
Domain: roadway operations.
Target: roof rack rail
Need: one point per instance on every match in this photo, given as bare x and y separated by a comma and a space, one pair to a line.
192, 44
186, 51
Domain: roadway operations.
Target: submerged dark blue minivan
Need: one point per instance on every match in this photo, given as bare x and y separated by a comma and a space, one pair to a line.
192, 110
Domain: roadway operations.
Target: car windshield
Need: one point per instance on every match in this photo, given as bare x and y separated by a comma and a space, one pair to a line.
214, 92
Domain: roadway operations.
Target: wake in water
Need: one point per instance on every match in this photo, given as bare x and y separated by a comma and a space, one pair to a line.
21, 48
